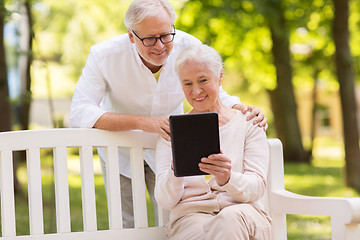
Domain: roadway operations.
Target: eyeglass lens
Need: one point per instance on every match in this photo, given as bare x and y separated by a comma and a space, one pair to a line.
164, 39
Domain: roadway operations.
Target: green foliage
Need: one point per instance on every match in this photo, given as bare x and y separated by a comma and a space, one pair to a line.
67, 29
354, 25
239, 31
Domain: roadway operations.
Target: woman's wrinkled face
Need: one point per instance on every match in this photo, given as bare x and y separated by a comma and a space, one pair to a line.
200, 85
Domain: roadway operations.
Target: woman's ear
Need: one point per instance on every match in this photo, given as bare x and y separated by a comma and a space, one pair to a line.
221, 76
131, 36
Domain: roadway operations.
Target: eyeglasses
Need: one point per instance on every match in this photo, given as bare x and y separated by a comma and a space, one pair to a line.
151, 41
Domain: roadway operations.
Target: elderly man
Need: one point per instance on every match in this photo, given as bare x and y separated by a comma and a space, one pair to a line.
129, 82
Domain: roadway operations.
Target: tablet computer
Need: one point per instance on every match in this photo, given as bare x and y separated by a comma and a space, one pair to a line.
193, 136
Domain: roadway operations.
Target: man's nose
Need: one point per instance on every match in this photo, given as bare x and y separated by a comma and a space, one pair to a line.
159, 44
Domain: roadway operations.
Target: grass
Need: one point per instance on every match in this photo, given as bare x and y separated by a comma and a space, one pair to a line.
323, 178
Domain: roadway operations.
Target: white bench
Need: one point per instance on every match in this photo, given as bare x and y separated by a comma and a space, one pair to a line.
344, 212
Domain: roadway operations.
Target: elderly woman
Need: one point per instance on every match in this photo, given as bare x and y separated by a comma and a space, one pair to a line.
227, 205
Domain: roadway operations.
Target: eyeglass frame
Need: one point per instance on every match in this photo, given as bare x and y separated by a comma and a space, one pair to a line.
156, 38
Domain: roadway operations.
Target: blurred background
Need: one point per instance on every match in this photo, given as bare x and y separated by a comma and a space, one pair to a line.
297, 60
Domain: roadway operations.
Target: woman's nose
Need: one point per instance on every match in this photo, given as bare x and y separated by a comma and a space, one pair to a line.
197, 90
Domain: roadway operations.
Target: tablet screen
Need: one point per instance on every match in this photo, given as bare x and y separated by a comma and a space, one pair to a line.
193, 136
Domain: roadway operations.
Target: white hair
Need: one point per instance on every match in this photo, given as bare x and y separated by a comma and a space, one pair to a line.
203, 54
140, 9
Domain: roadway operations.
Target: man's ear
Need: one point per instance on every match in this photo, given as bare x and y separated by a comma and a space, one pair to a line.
131, 36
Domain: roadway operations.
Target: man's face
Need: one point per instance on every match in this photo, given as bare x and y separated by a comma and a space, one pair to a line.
154, 56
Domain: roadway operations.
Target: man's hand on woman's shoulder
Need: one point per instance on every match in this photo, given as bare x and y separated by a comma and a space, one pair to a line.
256, 115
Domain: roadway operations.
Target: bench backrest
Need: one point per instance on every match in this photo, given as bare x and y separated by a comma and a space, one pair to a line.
59, 140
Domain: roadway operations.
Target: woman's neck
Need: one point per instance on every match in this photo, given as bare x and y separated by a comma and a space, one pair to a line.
225, 113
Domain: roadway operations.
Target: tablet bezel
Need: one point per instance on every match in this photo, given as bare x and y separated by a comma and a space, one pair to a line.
193, 136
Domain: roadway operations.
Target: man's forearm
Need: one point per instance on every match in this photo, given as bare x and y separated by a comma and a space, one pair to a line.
119, 122
124, 122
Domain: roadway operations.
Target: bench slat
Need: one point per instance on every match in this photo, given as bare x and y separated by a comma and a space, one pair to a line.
8, 225
88, 188
152, 233
36, 221
138, 187
164, 216
113, 188
63, 222
345, 223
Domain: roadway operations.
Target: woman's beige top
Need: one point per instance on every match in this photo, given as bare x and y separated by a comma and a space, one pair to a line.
246, 146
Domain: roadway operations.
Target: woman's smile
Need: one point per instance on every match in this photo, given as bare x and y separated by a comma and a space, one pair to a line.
200, 99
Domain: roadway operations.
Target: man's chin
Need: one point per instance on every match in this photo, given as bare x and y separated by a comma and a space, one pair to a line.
158, 63
158, 59
155, 61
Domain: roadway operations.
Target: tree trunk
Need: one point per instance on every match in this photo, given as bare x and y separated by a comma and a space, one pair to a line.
5, 106
313, 112
5, 109
25, 61
283, 98
346, 77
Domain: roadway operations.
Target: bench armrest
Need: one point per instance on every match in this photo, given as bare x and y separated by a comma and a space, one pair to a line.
347, 209
344, 212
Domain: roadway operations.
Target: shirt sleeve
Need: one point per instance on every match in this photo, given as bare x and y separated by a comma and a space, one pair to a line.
168, 188
228, 100
250, 185
89, 91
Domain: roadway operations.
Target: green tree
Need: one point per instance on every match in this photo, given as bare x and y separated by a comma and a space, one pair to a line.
346, 78
5, 109
282, 97
25, 61
67, 29
247, 39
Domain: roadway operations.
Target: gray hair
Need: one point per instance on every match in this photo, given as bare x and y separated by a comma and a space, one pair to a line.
203, 54
140, 9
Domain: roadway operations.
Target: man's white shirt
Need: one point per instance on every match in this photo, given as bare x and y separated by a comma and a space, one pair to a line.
115, 79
